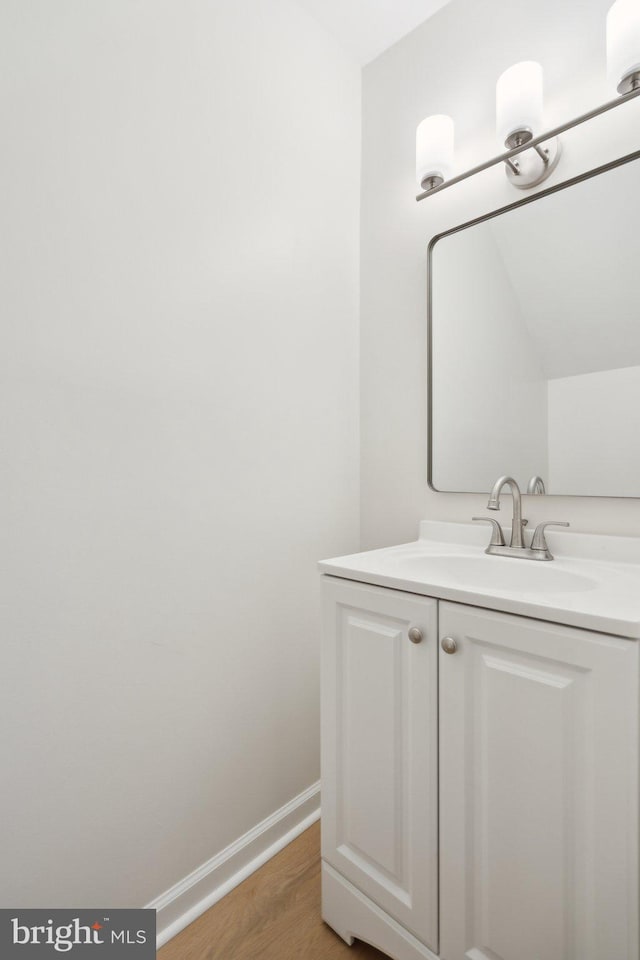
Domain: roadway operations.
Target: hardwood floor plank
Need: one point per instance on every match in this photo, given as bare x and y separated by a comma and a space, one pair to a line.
273, 915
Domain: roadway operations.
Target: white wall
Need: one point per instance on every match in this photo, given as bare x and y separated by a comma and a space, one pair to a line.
581, 412
450, 65
178, 435
489, 390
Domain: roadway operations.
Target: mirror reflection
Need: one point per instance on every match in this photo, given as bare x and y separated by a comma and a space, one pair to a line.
535, 344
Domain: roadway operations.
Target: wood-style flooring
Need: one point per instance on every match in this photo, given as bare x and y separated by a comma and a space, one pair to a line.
273, 915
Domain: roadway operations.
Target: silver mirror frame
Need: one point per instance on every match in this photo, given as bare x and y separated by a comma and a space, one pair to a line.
628, 158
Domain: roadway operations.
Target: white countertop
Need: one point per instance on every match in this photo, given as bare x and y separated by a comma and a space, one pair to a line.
593, 582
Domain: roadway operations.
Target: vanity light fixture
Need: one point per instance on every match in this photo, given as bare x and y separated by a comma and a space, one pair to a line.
434, 151
531, 156
623, 45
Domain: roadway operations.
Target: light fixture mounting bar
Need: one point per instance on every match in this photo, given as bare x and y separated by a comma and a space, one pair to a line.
531, 144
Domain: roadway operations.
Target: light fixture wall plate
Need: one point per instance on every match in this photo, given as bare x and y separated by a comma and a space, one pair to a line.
533, 166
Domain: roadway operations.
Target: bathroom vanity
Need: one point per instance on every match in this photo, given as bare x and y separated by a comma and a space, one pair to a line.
481, 748
480, 710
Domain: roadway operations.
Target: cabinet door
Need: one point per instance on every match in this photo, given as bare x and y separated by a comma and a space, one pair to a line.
538, 790
379, 749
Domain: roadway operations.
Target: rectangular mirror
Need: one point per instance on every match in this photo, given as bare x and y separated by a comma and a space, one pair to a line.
534, 339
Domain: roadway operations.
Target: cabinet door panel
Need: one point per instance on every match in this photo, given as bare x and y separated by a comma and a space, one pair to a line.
539, 791
379, 759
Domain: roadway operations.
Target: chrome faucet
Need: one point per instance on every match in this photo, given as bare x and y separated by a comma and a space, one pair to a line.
517, 541
497, 547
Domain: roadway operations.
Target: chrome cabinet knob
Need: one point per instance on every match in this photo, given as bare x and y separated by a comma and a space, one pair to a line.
416, 635
449, 645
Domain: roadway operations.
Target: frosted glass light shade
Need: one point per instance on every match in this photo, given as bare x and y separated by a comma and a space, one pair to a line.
623, 44
434, 148
519, 103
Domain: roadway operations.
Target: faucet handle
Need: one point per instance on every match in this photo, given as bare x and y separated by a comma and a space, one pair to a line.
539, 541
497, 536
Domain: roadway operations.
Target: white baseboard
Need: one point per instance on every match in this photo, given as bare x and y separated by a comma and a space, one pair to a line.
192, 896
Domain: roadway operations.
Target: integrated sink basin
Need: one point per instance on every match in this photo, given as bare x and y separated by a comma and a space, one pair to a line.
593, 582
494, 573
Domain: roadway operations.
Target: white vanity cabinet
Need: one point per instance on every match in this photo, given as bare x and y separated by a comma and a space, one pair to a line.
538, 790
531, 851
379, 749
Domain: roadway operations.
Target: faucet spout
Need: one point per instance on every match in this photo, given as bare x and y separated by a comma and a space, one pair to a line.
517, 539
